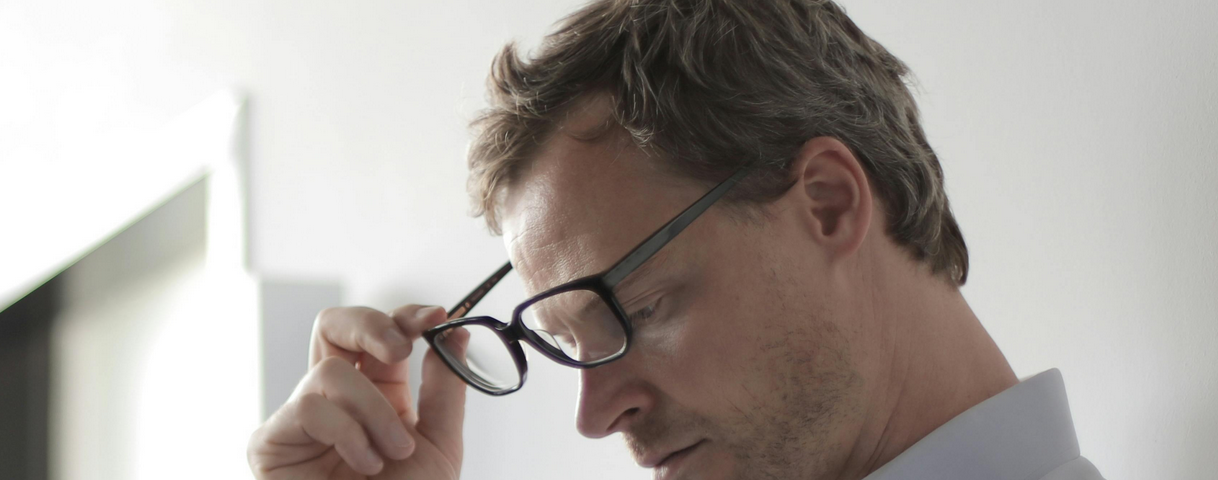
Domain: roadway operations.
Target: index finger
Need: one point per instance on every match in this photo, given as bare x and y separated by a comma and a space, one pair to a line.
415, 319
347, 332
392, 379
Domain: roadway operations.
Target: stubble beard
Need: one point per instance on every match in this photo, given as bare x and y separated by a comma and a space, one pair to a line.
815, 392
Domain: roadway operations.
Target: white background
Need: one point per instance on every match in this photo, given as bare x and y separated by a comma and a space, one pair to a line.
1078, 141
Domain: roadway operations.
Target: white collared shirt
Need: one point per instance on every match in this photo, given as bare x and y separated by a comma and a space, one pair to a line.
1023, 433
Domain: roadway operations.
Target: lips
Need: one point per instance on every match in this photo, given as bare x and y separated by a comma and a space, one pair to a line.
654, 460
667, 466
676, 453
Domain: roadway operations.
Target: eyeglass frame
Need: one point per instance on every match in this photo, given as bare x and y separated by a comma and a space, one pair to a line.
602, 284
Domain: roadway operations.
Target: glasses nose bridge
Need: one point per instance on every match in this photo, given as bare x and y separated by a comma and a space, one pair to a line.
513, 330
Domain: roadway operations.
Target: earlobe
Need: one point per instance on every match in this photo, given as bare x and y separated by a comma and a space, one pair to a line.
835, 192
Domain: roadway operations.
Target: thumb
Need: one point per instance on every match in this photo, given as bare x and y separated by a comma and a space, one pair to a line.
441, 407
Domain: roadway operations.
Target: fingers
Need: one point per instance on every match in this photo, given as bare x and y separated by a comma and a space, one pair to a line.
378, 343
415, 319
329, 424
354, 404
302, 430
442, 402
391, 381
346, 332
340, 383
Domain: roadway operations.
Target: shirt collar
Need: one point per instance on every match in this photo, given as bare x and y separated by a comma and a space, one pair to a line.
1024, 432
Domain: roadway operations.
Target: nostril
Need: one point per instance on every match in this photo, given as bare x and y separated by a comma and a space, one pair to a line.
622, 420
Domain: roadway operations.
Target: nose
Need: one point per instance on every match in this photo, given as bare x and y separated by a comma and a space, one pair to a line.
611, 397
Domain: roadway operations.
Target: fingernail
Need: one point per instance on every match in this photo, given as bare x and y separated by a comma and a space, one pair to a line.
427, 312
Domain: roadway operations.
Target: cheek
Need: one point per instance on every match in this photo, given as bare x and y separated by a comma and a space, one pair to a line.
693, 356
712, 362
759, 332
733, 347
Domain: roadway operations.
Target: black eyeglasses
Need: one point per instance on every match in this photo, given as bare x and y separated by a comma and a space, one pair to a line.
579, 323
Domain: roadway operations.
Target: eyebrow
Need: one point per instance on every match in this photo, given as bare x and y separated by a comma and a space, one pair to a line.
646, 271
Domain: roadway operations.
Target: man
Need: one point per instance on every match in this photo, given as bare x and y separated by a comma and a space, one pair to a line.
808, 324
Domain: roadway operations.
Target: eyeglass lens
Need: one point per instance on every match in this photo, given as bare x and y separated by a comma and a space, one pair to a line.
578, 325
480, 354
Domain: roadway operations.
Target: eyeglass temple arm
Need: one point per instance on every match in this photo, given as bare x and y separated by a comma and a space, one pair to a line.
466, 304
666, 233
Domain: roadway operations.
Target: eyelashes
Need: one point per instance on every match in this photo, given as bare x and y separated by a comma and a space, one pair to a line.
642, 314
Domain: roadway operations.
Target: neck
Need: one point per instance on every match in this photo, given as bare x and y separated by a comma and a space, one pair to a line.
938, 362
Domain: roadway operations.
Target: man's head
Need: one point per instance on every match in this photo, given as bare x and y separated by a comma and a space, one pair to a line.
764, 349
708, 85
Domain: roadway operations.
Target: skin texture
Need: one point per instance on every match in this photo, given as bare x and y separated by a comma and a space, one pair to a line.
795, 341
800, 343
351, 416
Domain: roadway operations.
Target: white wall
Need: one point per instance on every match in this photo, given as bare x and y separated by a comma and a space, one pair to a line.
1076, 138
153, 356
1078, 144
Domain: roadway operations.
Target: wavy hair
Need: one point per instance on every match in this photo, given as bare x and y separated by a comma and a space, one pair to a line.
711, 84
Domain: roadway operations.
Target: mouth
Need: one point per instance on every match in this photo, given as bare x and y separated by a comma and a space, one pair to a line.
668, 467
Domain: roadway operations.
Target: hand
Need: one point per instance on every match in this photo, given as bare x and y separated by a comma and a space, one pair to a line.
351, 416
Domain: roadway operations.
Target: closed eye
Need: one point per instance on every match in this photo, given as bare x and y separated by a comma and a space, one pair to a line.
642, 314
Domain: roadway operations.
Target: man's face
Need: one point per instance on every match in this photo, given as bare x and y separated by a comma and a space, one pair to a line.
747, 358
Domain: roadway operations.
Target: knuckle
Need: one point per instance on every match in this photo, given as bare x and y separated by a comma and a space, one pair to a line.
256, 440
331, 367
257, 454
326, 314
303, 409
309, 402
326, 319
369, 318
347, 315
257, 463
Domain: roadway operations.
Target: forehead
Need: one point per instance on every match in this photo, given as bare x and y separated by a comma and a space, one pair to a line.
581, 205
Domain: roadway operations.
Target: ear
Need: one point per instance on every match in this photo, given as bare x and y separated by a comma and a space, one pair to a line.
833, 193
